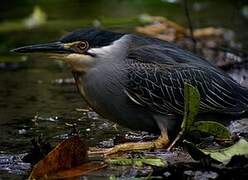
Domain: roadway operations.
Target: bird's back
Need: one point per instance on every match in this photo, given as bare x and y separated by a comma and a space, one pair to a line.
155, 50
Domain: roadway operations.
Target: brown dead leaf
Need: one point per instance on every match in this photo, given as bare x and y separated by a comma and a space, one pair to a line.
162, 28
208, 32
81, 170
69, 153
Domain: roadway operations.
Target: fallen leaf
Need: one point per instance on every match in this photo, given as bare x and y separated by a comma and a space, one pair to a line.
223, 155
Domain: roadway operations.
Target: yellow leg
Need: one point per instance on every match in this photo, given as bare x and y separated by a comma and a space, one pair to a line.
163, 140
159, 143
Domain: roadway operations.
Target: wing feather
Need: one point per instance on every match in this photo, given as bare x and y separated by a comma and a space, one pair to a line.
157, 71
160, 88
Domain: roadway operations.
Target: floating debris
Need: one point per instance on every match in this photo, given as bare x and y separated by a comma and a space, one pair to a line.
22, 131
37, 118
107, 143
62, 81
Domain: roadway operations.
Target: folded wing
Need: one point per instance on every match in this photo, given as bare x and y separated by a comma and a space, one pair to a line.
159, 84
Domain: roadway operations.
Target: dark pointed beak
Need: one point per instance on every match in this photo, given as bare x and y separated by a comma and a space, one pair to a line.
54, 47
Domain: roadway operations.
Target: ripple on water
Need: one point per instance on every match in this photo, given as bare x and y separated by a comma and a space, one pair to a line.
13, 164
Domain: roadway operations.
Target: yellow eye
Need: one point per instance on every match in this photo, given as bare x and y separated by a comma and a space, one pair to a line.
83, 45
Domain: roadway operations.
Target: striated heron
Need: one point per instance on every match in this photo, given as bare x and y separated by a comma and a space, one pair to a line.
138, 81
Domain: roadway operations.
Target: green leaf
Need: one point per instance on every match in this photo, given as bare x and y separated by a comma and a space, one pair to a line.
137, 162
223, 155
155, 162
191, 106
120, 161
213, 128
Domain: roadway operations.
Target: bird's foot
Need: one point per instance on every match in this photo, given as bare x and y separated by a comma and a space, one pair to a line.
159, 143
130, 146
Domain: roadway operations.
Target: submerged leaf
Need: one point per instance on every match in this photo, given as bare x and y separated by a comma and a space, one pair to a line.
81, 170
213, 128
223, 155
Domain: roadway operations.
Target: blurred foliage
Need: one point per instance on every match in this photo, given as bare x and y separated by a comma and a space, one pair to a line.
63, 16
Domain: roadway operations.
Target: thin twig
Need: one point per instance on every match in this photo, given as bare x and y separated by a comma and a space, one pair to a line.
190, 26
179, 136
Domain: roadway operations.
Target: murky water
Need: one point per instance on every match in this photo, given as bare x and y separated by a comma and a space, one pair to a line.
38, 95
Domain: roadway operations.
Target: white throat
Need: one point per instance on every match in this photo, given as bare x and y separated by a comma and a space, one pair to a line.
112, 52
116, 49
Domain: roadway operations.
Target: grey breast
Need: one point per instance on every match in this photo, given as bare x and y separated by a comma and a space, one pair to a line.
104, 87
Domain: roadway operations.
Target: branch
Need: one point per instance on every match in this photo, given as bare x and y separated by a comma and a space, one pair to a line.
190, 26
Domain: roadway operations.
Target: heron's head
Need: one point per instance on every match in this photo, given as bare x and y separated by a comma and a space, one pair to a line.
80, 48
